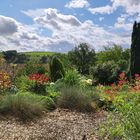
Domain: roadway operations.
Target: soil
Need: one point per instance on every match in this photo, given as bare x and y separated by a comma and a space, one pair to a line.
56, 125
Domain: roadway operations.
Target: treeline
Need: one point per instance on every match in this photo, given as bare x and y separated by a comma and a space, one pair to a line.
104, 66
12, 56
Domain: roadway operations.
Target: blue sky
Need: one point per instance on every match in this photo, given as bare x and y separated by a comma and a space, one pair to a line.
60, 25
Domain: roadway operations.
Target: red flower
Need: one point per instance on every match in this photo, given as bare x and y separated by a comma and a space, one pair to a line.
39, 78
121, 83
122, 75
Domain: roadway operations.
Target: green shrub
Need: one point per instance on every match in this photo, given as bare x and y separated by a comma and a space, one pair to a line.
59, 84
23, 83
132, 123
40, 89
30, 67
26, 106
74, 99
128, 106
82, 57
111, 128
106, 73
56, 69
41, 70
72, 78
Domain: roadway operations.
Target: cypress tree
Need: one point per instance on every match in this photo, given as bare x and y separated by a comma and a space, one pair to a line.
135, 50
56, 69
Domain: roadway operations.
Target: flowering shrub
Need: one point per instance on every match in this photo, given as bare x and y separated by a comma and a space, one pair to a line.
39, 78
40, 81
5, 82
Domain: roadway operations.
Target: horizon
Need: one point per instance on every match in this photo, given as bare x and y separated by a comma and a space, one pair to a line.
46, 26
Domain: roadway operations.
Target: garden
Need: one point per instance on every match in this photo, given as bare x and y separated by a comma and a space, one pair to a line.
79, 95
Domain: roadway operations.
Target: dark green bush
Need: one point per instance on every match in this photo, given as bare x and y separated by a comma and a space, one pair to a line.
41, 69
10, 56
105, 73
74, 99
82, 57
37, 88
56, 69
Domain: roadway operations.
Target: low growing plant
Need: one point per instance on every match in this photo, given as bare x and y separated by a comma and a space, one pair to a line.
26, 106
74, 99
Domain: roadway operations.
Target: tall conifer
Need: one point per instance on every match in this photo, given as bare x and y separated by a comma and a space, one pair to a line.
135, 50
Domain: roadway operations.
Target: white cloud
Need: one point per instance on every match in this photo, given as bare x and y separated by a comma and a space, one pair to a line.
123, 23
67, 31
130, 6
52, 19
8, 26
102, 10
77, 4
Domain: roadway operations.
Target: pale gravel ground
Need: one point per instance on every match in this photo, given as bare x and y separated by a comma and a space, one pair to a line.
56, 125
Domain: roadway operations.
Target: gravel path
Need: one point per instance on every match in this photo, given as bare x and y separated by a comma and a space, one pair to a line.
56, 125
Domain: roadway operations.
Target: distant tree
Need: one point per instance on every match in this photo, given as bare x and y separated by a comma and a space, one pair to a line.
44, 59
21, 58
56, 69
115, 53
10, 56
82, 57
135, 50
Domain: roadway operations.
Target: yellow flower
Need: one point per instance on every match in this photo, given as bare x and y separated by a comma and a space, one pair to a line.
89, 82
13, 65
52, 83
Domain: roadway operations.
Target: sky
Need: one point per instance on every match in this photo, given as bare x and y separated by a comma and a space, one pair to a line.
60, 25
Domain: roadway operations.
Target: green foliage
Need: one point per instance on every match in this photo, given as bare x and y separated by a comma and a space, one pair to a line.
115, 53
39, 54
112, 128
21, 58
44, 59
30, 67
129, 108
132, 123
41, 70
82, 57
33, 66
26, 106
74, 99
72, 78
23, 83
122, 65
56, 69
12, 56
135, 50
65, 60
105, 73
40, 89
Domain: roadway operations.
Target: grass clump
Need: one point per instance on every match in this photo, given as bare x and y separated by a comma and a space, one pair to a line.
74, 99
25, 106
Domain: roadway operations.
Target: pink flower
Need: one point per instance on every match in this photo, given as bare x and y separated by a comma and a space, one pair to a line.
122, 75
